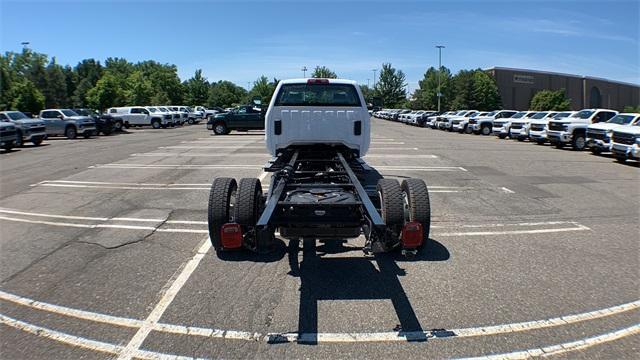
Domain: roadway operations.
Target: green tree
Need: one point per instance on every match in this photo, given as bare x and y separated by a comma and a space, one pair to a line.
486, 96
463, 85
55, 91
367, 93
140, 91
631, 109
26, 97
324, 73
88, 72
226, 94
391, 86
196, 89
546, 100
263, 89
426, 96
109, 91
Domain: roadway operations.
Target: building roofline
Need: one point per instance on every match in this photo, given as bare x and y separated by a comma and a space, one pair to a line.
562, 74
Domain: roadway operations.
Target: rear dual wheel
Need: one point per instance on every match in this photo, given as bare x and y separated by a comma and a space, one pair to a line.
403, 203
241, 203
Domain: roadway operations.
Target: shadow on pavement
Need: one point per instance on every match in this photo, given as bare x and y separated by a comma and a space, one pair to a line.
353, 278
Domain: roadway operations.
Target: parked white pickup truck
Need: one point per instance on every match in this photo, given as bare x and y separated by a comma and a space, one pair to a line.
625, 143
573, 130
538, 128
141, 116
502, 127
599, 135
484, 124
519, 129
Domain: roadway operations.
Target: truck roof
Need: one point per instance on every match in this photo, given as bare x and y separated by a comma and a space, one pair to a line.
305, 80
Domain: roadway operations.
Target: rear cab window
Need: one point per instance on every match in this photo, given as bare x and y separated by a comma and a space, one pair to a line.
318, 94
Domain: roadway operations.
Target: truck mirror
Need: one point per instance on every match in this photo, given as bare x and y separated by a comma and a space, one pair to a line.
257, 100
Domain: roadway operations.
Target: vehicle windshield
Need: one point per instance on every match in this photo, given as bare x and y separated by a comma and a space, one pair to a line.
621, 119
152, 109
584, 114
318, 95
519, 115
17, 115
539, 115
561, 115
68, 112
471, 114
164, 109
493, 113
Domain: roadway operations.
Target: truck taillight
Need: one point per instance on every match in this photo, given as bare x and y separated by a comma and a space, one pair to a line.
412, 235
231, 236
318, 81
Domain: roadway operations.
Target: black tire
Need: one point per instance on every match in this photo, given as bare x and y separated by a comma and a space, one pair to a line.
558, 145
70, 132
117, 126
220, 128
467, 130
419, 207
156, 124
221, 198
391, 207
87, 134
248, 206
127, 125
502, 136
19, 141
190, 121
37, 140
596, 151
540, 142
520, 138
8, 146
579, 142
485, 130
621, 159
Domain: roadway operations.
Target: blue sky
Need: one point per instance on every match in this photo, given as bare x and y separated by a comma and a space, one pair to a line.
239, 40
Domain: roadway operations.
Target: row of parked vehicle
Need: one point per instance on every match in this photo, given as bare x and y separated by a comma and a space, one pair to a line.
18, 128
599, 130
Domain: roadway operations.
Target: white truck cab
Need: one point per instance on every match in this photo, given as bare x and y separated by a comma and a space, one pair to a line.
538, 127
502, 127
625, 142
140, 116
451, 120
175, 115
519, 129
432, 121
599, 135
484, 124
461, 124
330, 112
573, 129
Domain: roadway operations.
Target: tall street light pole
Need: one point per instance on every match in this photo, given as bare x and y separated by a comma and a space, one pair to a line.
374, 77
25, 44
304, 72
440, 47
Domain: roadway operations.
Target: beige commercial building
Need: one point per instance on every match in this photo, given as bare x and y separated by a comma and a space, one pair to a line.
517, 87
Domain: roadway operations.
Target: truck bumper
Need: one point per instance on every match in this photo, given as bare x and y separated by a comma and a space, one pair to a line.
599, 144
519, 133
35, 135
559, 136
500, 131
626, 151
85, 130
538, 135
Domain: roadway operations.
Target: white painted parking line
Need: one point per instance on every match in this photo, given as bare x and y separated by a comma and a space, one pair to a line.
540, 223
167, 298
254, 166
254, 155
91, 218
578, 227
508, 191
211, 147
322, 337
565, 347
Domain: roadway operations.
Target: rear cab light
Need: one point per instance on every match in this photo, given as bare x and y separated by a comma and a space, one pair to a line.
318, 81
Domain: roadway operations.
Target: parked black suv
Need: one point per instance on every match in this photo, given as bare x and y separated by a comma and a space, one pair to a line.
105, 123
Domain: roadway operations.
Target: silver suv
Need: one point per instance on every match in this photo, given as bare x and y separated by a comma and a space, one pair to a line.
68, 123
27, 129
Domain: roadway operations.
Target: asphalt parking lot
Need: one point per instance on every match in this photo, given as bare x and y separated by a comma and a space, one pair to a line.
105, 253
